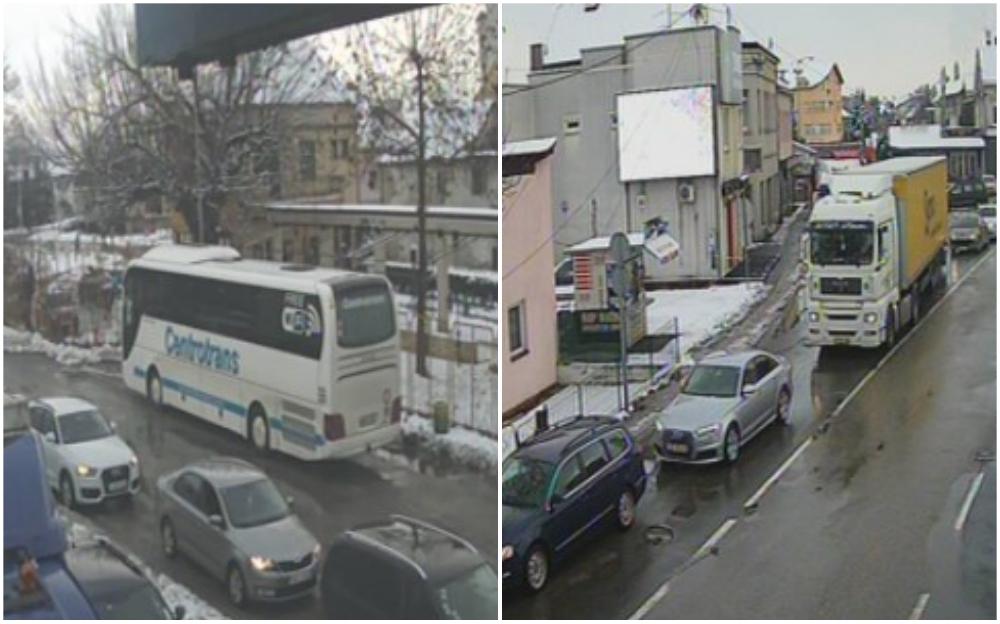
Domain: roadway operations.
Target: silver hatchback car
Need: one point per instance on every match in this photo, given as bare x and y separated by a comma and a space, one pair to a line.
227, 516
725, 401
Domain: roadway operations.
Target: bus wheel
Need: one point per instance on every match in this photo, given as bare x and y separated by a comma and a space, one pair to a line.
154, 388
260, 431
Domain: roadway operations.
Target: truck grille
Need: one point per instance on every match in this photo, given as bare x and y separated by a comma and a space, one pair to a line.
840, 285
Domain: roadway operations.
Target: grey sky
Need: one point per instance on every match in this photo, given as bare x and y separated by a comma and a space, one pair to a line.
887, 49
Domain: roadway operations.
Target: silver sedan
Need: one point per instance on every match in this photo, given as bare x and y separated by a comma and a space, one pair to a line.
227, 516
725, 401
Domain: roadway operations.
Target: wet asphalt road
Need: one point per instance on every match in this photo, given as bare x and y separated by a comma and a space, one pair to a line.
614, 574
330, 497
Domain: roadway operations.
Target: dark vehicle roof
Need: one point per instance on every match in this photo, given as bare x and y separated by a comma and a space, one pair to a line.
105, 573
556, 442
438, 555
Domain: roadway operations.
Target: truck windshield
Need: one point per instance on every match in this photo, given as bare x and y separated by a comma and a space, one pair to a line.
842, 242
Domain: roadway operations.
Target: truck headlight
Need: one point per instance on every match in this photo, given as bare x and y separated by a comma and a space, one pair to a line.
871, 317
508, 552
85, 471
709, 432
814, 317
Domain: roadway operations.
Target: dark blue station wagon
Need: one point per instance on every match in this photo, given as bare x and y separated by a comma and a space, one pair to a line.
561, 486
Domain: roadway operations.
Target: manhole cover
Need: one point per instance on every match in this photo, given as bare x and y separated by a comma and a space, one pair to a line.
658, 534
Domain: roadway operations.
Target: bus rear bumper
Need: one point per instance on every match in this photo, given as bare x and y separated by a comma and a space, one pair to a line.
360, 443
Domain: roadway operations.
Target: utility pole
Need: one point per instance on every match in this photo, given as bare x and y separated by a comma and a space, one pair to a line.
197, 158
421, 221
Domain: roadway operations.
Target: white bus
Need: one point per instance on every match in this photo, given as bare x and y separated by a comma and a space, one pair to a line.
297, 359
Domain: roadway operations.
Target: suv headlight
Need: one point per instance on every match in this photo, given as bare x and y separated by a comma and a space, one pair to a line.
261, 564
317, 549
85, 471
871, 317
813, 317
134, 461
507, 552
709, 432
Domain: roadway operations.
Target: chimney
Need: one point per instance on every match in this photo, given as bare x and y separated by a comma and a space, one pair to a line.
537, 56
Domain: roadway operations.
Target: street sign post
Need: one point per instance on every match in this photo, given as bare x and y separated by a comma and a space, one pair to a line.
621, 251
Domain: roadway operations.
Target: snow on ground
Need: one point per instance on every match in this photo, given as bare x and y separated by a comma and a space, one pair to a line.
173, 593
460, 385
156, 237
701, 313
19, 341
471, 448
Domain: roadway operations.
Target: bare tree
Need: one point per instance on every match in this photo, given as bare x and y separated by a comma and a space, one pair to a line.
415, 79
132, 133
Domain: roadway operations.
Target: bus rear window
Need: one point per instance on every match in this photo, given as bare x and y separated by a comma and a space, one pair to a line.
365, 314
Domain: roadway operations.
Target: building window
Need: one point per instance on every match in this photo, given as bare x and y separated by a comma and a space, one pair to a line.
345, 148
287, 251
746, 111
307, 160
516, 331
269, 249
571, 124
614, 119
334, 149
751, 160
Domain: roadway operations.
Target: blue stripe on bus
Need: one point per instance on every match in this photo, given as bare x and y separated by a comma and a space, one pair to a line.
198, 395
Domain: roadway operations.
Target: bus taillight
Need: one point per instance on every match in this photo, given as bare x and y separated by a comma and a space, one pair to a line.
333, 426
397, 409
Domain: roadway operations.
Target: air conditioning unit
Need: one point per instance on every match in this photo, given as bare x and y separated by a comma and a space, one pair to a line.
685, 192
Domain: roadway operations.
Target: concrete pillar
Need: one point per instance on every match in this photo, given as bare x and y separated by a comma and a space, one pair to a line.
379, 256
444, 294
327, 253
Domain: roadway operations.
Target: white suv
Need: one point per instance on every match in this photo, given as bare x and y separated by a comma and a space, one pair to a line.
85, 460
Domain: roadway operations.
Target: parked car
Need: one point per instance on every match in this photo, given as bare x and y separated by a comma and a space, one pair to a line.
403, 568
115, 584
559, 486
968, 231
85, 460
965, 193
724, 402
227, 516
988, 213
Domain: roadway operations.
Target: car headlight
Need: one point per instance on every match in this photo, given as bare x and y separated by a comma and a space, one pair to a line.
317, 549
814, 317
871, 317
85, 471
134, 461
261, 564
709, 432
508, 552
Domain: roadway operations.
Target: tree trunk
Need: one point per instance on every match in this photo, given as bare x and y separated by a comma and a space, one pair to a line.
421, 231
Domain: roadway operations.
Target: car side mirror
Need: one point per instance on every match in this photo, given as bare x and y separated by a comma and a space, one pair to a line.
217, 521
749, 389
50, 436
179, 612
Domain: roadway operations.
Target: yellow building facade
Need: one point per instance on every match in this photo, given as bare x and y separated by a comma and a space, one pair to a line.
819, 109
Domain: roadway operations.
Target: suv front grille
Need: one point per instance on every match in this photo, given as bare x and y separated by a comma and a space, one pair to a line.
115, 473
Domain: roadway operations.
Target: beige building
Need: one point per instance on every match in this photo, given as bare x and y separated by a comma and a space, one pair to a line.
530, 345
818, 109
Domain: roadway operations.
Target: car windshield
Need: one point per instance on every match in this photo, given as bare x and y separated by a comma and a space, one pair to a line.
713, 381
988, 211
133, 603
472, 596
964, 219
253, 504
842, 243
83, 427
525, 481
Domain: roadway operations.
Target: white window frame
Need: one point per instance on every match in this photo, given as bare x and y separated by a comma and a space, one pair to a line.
522, 317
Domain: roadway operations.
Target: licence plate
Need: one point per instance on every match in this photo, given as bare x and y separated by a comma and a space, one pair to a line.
117, 486
841, 341
368, 420
678, 448
299, 577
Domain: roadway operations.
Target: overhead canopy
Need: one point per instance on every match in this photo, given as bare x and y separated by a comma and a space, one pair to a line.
185, 35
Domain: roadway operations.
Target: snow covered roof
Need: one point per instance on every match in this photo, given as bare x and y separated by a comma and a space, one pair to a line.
385, 209
636, 239
904, 164
529, 147
190, 254
929, 137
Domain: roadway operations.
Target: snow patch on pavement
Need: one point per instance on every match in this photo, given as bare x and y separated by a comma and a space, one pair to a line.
468, 447
19, 341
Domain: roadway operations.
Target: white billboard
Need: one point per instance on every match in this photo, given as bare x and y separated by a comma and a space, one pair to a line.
666, 134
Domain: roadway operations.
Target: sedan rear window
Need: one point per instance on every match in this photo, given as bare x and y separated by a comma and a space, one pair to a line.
715, 381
